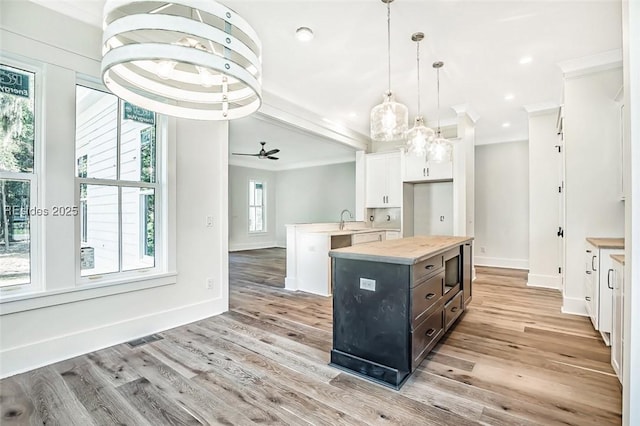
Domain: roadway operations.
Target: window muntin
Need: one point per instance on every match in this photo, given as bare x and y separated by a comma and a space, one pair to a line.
18, 193
118, 185
257, 211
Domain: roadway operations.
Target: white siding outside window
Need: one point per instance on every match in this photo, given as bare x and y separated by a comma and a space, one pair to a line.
116, 147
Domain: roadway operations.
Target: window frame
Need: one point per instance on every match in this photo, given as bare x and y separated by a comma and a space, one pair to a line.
159, 188
263, 206
36, 228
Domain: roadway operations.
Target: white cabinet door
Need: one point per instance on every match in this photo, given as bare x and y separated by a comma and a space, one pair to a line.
376, 181
439, 171
383, 180
617, 345
415, 168
591, 283
394, 181
605, 302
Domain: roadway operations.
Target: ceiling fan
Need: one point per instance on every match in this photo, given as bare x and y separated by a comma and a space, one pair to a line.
262, 154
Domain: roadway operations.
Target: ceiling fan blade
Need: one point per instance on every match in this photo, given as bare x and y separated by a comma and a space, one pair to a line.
272, 158
273, 151
252, 155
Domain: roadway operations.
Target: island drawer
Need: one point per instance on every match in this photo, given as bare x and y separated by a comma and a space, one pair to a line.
452, 310
425, 296
427, 267
425, 337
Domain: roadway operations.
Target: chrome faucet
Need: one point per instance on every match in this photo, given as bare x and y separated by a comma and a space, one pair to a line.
342, 218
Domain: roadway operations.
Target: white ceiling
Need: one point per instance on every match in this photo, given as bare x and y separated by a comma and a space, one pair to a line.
341, 74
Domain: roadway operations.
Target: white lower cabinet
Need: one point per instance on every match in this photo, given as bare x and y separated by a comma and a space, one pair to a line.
617, 326
598, 285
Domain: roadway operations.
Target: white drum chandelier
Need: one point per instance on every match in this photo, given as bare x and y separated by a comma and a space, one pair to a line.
188, 58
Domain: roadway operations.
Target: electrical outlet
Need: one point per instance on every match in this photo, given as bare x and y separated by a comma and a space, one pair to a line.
367, 284
210, 283
209, 221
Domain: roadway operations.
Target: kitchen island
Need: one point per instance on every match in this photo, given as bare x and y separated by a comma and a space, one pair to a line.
394, 300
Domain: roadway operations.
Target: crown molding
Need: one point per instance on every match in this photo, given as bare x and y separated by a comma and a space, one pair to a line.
585, 65
541, 108
462, 109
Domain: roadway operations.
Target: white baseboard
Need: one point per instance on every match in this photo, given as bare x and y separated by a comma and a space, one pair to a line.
544, 281
574, 306
499, 262
252, 246
38, 354
291, 284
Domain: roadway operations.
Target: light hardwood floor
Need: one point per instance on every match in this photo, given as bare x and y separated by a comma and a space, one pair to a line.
512, 359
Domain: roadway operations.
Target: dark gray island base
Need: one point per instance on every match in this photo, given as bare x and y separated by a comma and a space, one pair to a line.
393, 301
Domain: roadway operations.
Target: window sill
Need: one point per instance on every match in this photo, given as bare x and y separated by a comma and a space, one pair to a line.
30, 301
257, 233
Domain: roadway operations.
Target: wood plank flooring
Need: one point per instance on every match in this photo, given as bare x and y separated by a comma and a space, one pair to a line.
512, 359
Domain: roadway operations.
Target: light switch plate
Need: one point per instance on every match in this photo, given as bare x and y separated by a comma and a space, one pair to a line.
367, 284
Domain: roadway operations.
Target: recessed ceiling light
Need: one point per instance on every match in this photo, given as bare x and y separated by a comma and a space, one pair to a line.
506, 124
526, 60
304, 34
509, 97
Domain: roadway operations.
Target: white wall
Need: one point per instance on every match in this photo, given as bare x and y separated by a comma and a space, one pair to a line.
239, 236
502, 205
592, 147
544, 216
315, 194
32, 334
430, 202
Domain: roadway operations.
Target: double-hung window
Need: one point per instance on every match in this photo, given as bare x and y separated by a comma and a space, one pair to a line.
257, 210
18, 179
118, 189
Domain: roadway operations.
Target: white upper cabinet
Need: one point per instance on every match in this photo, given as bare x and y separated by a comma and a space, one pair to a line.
417, 169
383, 180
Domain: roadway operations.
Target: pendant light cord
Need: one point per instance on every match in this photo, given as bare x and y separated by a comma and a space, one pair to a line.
438, 88
418, 63
389, 43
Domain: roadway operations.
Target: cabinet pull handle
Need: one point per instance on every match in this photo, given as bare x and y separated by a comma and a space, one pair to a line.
593, 258
424, 171
588, 272
454, 309
429, 267
588, 251
587, 298
427, 172
430, 296
430, 332
609, 279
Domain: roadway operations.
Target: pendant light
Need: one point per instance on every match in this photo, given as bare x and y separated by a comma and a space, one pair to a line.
419, 136
440, 149
185, 58
389, 120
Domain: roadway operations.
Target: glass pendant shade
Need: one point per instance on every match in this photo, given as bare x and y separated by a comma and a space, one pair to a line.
419, 138
186, 58
440, 150
389, 120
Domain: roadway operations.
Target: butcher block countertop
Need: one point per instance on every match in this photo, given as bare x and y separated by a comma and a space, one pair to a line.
618, 258
405, 251
607, 243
